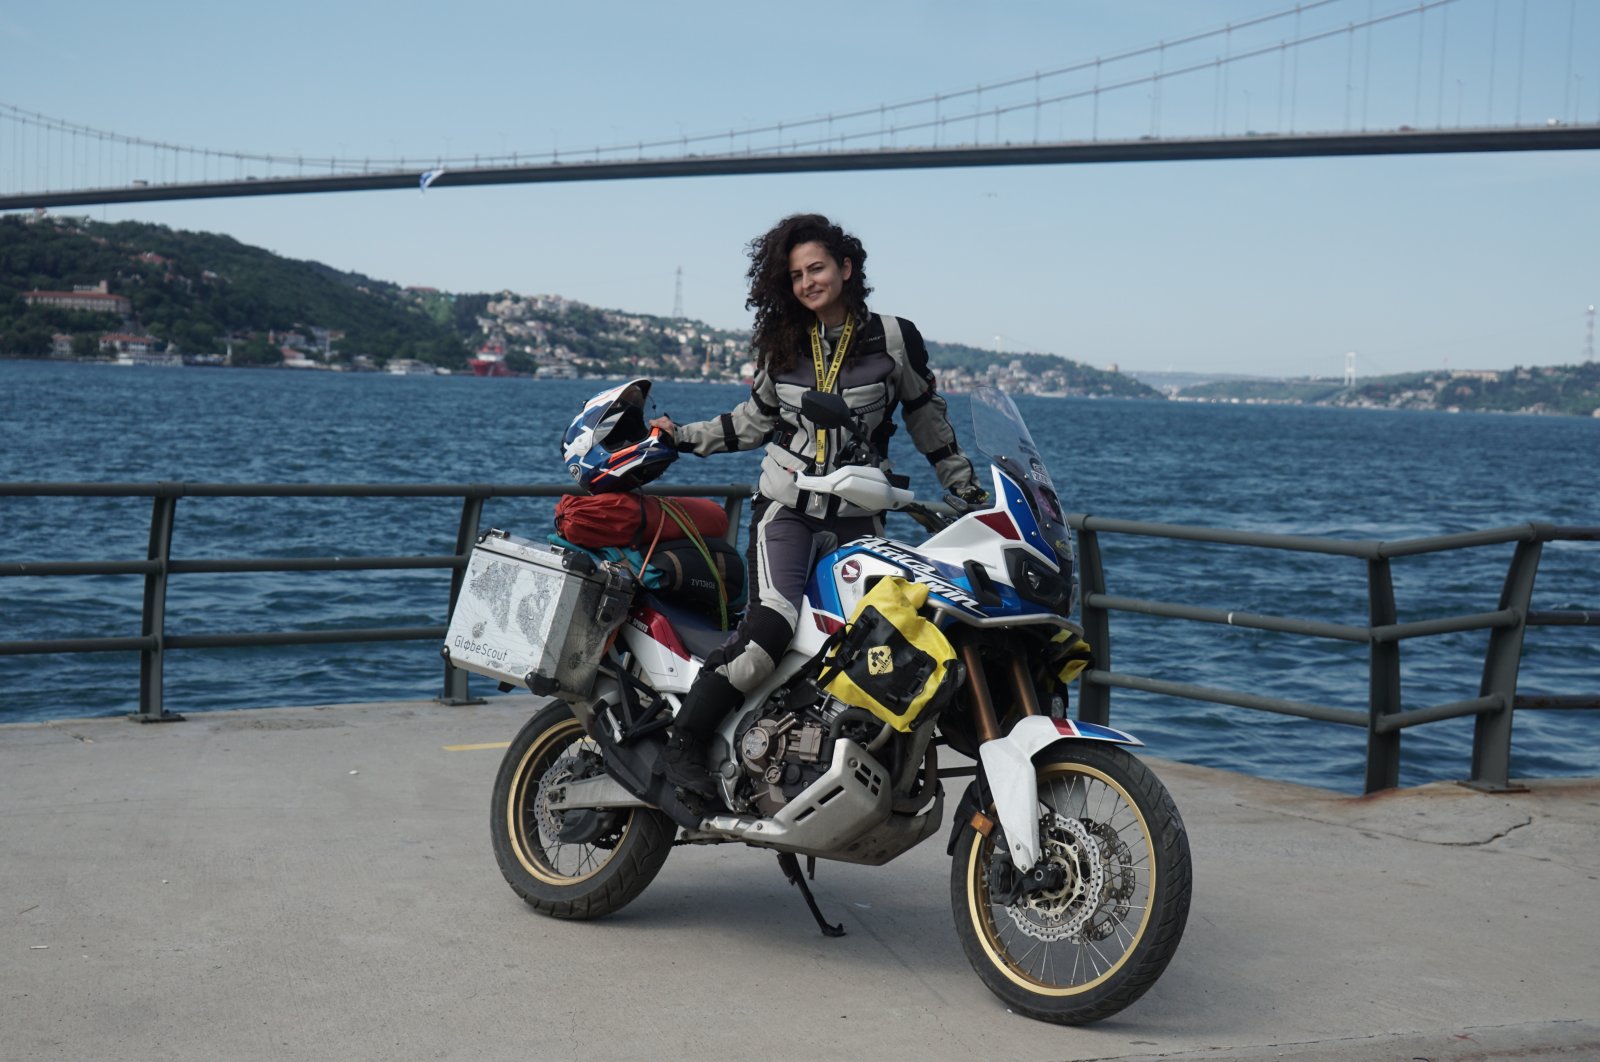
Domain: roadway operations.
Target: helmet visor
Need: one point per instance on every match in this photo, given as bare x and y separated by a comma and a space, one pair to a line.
623, 426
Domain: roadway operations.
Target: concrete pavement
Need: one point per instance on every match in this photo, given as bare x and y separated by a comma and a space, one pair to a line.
317, 883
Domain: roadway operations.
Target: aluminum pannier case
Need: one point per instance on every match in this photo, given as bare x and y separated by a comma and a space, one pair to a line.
536, 617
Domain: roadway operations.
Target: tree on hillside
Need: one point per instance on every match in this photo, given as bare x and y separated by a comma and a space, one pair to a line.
28, 341
206, 285
257, 351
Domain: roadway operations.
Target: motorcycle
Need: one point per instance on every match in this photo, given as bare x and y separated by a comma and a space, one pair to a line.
1070, 874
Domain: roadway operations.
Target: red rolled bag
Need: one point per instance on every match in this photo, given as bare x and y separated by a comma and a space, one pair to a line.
633, 519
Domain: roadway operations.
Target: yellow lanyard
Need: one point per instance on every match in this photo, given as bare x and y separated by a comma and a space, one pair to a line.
827, 374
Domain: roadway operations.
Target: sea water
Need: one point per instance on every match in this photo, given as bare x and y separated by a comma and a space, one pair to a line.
1295, 470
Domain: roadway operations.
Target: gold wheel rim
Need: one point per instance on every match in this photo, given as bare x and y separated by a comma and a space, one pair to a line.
522, 825
978, 907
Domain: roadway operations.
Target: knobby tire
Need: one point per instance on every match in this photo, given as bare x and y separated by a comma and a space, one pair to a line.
1105, 947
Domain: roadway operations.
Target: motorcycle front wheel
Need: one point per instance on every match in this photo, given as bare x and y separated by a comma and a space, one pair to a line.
1088, 949
602, 870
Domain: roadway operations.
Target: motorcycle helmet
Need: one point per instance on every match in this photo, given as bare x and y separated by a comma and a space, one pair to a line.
609, 447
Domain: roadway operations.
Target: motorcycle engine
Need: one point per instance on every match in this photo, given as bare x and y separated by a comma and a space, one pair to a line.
783, 751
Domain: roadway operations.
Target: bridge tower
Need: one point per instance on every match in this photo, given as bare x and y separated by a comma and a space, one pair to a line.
1350, 369
1588, 337
677, 297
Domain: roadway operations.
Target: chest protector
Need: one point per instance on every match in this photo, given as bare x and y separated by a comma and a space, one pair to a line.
869, 384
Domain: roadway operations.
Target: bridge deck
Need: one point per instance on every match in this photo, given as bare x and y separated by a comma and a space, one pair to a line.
314, 883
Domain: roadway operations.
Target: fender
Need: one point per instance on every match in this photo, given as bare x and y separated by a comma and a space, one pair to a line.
1014, 784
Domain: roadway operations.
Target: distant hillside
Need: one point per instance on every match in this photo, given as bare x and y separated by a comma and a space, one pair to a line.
1045, 372
1255, 389
199, 293
1569, 389
198, 290
555, 336
1573, 389
1171, 381
560, 337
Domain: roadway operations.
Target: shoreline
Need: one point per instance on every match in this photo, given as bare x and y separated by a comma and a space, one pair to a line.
347, 370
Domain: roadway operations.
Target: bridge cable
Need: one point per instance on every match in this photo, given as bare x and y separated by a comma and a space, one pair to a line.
164, 154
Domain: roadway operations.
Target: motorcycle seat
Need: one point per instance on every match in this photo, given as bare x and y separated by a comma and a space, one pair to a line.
699, 634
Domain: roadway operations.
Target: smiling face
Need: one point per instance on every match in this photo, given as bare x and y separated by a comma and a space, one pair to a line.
818, 281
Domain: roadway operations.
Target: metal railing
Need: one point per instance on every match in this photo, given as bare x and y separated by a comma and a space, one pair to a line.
1384, 719
159, 566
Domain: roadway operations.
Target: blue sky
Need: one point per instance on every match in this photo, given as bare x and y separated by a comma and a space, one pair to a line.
1276, 267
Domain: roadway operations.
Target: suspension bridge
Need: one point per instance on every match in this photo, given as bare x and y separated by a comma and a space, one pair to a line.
1321, 78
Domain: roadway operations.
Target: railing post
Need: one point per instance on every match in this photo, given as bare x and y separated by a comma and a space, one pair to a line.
1383, 698
1094, 700
1491, 731
153, 622
456, 690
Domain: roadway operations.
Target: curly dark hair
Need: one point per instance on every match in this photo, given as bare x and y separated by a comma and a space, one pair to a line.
783, 326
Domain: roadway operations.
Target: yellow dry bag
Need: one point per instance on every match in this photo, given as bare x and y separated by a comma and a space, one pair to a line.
890, 661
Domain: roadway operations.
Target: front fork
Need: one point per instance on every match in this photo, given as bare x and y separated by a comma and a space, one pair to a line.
1007, 760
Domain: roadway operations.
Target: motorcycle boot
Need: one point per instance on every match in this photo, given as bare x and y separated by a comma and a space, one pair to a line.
710, 698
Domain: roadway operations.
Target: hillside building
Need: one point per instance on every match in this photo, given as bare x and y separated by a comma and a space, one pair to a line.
93, 299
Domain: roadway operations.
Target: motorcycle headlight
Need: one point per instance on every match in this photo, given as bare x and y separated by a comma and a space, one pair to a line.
1038, 582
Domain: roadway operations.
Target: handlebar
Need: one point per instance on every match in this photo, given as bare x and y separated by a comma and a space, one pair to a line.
927, 517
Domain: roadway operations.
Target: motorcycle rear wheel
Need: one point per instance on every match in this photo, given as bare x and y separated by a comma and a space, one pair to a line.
1095, 946
568, 879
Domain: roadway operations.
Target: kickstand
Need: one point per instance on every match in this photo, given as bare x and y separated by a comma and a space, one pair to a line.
791, 870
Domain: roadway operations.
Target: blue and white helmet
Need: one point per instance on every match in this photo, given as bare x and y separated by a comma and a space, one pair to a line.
609, 447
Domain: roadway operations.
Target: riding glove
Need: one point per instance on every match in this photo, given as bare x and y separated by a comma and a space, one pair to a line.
972, 495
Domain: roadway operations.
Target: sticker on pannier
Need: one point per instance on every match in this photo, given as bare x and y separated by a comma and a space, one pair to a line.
890, 660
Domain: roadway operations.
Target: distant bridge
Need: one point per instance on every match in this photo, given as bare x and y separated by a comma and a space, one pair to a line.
1563, 138
1384, 88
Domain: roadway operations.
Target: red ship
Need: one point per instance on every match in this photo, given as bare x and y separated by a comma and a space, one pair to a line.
491, 361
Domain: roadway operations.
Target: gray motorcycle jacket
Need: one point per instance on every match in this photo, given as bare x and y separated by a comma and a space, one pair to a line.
887, 368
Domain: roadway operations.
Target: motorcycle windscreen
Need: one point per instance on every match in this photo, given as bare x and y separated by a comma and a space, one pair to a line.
1001, 435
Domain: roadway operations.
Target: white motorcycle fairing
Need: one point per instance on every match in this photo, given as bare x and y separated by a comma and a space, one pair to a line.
1008, 764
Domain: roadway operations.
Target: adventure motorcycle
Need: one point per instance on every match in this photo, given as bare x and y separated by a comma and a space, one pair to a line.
1070, 878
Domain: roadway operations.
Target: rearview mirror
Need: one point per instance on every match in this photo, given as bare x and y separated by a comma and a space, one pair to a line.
826, 409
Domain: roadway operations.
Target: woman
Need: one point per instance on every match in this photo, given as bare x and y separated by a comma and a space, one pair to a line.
813, 331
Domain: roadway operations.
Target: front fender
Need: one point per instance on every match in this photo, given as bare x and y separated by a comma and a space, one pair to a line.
1014, 784
970, 805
